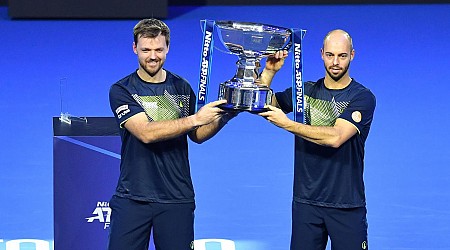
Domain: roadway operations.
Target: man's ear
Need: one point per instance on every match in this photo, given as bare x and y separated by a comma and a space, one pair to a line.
134, 48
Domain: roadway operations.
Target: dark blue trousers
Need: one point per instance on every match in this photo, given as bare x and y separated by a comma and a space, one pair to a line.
133, 221
312, 225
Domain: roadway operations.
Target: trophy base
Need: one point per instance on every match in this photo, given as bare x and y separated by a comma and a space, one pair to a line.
249, 98
231, 109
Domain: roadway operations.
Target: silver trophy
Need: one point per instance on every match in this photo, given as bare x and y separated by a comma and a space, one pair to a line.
250, 42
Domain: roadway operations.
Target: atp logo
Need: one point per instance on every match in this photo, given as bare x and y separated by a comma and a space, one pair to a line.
102, 213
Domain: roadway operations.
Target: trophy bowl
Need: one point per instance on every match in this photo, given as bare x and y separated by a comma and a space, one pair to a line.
250, 42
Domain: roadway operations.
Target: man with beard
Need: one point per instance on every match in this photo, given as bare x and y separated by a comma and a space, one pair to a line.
329, 194
154, 109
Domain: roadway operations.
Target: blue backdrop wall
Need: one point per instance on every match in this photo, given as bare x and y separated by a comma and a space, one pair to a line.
243, 176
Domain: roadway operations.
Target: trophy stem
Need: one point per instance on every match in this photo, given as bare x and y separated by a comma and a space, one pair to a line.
242, 92
247, 71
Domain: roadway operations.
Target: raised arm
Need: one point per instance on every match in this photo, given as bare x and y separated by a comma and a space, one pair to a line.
273, 64
154, 131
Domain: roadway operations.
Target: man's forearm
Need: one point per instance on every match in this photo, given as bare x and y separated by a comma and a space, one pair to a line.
266, 77
322, 135
206, 132
154, 131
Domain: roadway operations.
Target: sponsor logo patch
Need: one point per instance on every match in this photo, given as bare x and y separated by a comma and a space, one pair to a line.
122, 110
356, 116
364, 245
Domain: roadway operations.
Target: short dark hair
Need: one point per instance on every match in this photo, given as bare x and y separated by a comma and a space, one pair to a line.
151, 28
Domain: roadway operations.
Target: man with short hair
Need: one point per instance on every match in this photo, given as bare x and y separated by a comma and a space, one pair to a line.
155, 110
329, 193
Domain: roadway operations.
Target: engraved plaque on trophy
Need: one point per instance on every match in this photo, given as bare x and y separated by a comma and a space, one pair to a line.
250, 42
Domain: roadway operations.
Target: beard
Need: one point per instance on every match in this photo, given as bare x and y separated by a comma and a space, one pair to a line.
152, 71
338, 76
